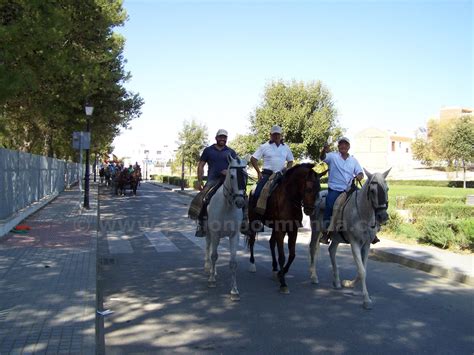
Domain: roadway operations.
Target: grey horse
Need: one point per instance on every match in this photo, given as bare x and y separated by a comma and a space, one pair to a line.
365, 210
224, 220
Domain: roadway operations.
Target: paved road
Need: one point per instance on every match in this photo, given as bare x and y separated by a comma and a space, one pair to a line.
151, 276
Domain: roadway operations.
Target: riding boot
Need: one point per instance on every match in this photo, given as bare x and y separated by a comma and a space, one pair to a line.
376, 240
325, 238
200, 229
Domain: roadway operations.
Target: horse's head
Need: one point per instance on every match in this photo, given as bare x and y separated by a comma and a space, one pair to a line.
377, 194
308, 184
236, 181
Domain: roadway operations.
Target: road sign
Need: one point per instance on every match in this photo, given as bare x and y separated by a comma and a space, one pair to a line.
81, 140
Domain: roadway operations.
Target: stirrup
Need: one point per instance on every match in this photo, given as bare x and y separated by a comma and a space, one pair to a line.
325, 238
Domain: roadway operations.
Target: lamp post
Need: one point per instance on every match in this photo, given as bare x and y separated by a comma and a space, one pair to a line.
89, 109
146, 164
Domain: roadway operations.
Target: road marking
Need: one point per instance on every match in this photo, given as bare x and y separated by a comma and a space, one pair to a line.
118, 243
223, 245
161, 243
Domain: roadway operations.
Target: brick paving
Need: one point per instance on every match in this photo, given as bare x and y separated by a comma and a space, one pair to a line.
48, 280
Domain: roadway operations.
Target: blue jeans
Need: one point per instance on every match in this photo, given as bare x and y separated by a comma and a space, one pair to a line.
330, 200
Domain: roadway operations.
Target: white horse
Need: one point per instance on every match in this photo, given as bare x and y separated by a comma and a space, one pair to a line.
224, 220
364, 211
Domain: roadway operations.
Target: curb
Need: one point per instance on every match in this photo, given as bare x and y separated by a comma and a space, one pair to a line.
19, 216
437, 270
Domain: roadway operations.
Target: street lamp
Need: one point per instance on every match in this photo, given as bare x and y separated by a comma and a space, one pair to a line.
146, 164
89, 109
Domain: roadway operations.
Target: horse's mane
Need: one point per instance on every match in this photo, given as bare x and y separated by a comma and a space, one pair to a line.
296, 167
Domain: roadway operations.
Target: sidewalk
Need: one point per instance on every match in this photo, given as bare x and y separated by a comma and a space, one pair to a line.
48, 279
453, 266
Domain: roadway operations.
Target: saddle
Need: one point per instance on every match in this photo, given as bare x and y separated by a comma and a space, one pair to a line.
268, 188
337, 222
198, 206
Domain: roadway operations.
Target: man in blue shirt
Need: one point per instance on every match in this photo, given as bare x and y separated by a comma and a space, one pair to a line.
343, 169
215, 156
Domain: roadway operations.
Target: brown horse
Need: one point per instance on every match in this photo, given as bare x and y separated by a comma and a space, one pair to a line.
299, 188
135, 178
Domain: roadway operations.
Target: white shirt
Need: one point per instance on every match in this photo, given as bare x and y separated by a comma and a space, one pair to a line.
274, 157
341, 172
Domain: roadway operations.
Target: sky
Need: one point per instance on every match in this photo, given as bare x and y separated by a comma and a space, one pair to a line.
388, 64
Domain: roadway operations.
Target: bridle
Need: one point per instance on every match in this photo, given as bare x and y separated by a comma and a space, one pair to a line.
229, 193
382, 196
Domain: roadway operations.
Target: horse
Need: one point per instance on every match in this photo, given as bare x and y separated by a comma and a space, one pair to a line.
364, 211
224, 218
135, 178
298, 188
122, 178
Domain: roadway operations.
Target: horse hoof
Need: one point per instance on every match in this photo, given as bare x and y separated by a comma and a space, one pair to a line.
234, 297
367, 305
211, 284
252, 268
314, 280
285, 290
336, 285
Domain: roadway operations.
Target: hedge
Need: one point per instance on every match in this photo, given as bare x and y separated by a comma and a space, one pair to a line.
447, 210
436, 183
404, 202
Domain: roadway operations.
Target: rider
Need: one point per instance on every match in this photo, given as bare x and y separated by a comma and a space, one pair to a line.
215, 156
275, 154
343, 169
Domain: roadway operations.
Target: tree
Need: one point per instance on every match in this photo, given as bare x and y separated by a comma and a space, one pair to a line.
459, 142
244, 144
55, 56
192, 140
306, 112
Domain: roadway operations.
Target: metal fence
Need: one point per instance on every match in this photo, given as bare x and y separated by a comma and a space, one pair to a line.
27, 178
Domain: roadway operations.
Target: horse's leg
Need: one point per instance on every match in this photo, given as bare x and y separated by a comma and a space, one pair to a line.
279, 236
251, 243
336, 281
212, 275
314, 252
272, 243
361, 271
207, 258
291, 249
233, 244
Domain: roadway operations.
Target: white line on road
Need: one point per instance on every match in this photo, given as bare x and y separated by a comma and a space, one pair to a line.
161, 242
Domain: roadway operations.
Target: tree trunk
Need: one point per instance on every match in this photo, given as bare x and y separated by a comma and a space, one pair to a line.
464, 184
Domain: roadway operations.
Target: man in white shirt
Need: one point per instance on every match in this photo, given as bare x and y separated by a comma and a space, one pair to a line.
343, 169
275, 154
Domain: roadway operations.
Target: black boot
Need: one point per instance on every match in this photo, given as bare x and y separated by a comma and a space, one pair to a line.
376, 240
199, 230
325, 238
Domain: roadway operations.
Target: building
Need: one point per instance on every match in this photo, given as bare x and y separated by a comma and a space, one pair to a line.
378, 150
448, 113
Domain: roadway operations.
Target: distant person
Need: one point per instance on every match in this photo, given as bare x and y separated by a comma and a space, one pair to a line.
276, 157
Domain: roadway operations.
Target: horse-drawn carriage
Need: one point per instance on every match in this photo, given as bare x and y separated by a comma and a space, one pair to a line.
127, 179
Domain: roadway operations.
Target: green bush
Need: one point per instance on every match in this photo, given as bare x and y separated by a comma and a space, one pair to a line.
437, 231
394, 222
446, 210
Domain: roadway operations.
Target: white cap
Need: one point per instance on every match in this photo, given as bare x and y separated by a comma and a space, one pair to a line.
275, 129
343, 139
221, 132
